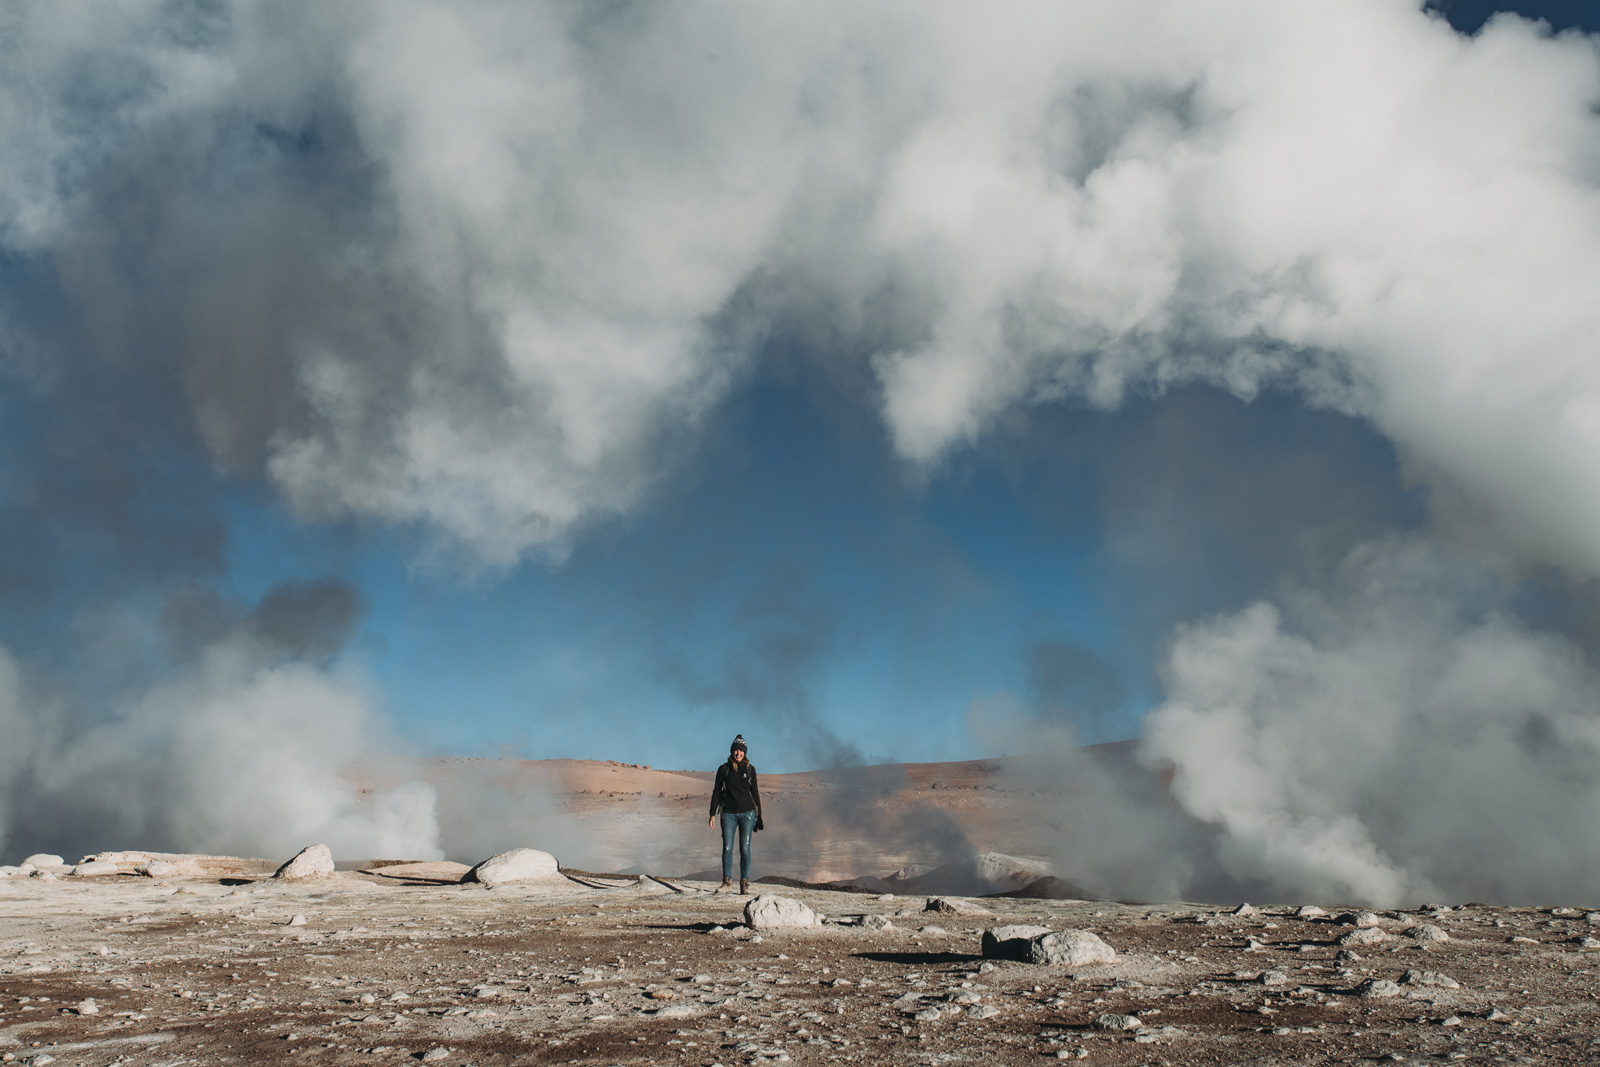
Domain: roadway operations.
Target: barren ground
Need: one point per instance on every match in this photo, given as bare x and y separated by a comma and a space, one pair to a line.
202, 971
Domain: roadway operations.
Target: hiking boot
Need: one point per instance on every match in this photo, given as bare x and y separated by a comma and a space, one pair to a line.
744, 887
727, 886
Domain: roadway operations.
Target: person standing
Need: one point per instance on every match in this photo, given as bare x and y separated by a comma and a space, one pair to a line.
737, 798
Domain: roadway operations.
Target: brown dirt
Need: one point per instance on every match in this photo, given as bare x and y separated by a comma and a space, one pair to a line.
199, 972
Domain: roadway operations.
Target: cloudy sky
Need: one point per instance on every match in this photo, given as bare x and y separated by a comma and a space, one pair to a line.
884, 382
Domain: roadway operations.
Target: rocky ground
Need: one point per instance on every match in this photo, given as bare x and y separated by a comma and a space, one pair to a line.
369, 968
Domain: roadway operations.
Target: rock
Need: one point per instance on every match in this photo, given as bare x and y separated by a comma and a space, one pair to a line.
1430, 978
1310, 911
94, 868
1586, 942
522, 865
954, 906
41, 1059
677, 1011
1274, 977
43, 859
772, 912
1369, 935
1070, 948
1427, 934
1377, 987
928, 1015
876, 922
1361, 919
982, 1011
933, 931
298, 920
1244, 911
6, 871
87, 1006
1010, 942
43, 875
166, 869
1039, 944
433, 1055
1113, 1021
1591, 916
309, 861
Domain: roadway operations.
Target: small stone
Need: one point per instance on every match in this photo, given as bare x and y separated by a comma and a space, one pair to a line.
1113, 1021
1427, 934
677, 1011
298, 920
1495, 1015
1310, 911
87, 1006
1070, 948
1274, 977
309, 861
1586, 942
1361, 919
1520, 940
43, 859
876, 922
433, 1055
1430, 978
1453, 1020
1377, 987
987, 967
933, 931
40, 1060
954, 906
927, 1015
1244, 911
982, 1011
1367, 935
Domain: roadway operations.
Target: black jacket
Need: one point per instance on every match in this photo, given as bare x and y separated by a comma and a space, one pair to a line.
736, 790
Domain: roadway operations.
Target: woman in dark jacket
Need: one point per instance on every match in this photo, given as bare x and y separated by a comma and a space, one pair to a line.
737, 798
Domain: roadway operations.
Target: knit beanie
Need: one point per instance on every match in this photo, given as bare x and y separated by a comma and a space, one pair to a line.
739, 746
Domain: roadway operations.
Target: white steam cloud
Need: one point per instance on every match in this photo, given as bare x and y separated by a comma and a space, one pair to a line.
1391, 748
482, 267
485, 264
239, 755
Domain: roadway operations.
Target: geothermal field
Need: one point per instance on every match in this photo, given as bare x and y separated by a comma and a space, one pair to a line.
164, 959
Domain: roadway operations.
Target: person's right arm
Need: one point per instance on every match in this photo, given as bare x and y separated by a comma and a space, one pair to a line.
716, 794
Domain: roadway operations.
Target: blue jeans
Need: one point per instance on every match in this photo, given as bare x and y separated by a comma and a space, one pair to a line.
744, 822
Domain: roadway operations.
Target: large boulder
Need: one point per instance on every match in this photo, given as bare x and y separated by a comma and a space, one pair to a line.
311, 860
1040, 944
518, 865
1071, 948
91, 868
43, 861
1011, 942
772, 912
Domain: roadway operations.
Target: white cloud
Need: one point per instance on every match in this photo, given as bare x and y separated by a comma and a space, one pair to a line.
484, 255
1389, 745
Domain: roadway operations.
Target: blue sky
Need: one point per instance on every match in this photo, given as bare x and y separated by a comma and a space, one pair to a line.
790, 568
